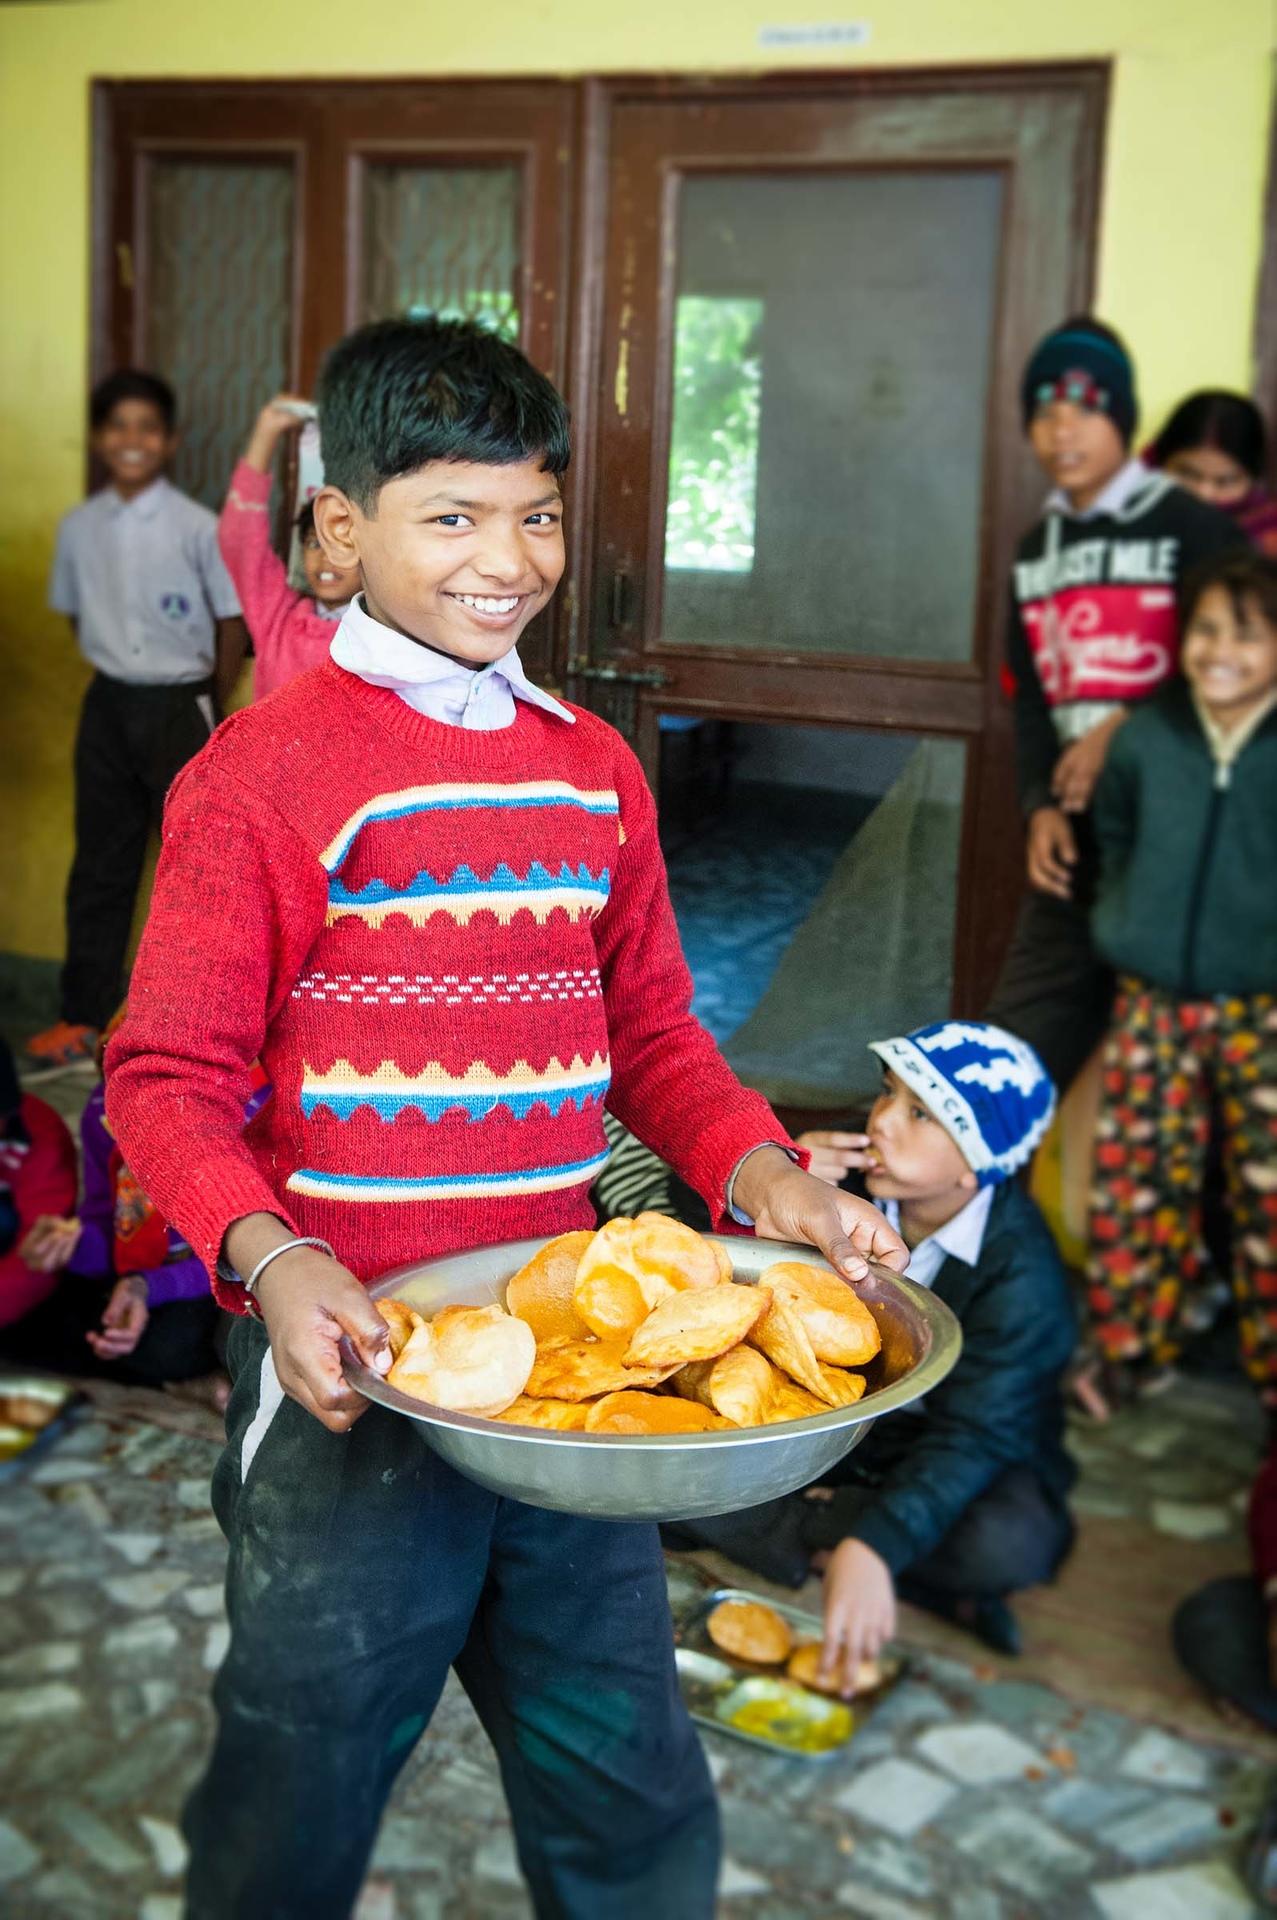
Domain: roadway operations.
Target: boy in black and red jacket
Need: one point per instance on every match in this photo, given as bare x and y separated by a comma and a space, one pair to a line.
1092, 631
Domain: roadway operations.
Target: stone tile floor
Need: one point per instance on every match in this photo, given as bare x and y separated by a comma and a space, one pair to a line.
968, 1796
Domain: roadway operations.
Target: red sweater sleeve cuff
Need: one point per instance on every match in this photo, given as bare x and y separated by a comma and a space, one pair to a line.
719, 1150
225, 1189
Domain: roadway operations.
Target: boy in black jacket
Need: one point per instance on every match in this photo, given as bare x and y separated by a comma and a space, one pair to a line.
1186, 820
1092, 632
959, 1501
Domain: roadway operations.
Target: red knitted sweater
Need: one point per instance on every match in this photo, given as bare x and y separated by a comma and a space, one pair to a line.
447, 947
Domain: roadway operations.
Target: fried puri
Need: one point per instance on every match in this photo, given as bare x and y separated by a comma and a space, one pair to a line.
400, 1319
804, 1667
541, 1292
639, 1413
750, 1631
738, 1384
696, 1325
781, 1335
556, 1416
584, 1369
630, 1266
840, 1327
472, 1360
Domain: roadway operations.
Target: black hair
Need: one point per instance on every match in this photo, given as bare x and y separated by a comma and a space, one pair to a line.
131, 383
1228, 422
305, 521
1245, 577
399, 393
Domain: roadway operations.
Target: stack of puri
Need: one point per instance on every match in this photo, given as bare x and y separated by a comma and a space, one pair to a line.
640, 1328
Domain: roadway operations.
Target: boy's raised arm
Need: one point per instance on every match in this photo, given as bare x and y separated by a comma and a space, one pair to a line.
227, 932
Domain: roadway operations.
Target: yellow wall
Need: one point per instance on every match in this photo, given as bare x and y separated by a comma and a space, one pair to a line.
1179, 251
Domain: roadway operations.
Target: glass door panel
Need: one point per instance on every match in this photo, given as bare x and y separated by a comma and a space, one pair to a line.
441, 239
831, 340
218, 320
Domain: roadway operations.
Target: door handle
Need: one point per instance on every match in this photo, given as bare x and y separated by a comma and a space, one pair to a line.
621, 600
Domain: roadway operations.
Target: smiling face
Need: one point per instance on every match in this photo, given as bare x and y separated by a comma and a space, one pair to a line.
917, 1160
1213, 476
458, 556
1078, 448
1230, 663
134, 445
330, 586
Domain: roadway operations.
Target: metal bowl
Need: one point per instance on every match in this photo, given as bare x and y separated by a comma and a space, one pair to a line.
663, 1476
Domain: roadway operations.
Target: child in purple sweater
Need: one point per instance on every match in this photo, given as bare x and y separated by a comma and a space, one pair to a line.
131, 1288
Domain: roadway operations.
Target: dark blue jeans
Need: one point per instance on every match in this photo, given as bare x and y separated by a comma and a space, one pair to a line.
361, 1568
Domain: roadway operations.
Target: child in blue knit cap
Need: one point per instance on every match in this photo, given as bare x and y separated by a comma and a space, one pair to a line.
957, 1502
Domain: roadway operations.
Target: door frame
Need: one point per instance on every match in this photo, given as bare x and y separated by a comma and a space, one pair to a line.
968, 700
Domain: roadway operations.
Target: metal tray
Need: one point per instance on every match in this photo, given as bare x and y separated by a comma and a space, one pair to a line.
708, 1677
20, 1445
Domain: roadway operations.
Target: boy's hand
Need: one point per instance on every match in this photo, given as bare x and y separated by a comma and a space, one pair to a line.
787, 1204
860, 1612
1052, 852
835, 1155
308, 1302
275, 420
124, 1321
1081, 764
49, 1243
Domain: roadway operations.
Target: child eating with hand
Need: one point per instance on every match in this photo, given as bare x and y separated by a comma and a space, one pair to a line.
431, 898
958, 1501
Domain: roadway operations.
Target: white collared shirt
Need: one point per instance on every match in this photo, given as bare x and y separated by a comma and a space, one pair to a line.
480, 698
960, 1238
145, 584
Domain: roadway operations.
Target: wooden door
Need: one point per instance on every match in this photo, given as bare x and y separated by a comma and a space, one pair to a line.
807, 469
243, 227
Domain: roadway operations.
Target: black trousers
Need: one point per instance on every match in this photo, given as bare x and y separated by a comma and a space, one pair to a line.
361, 1567
1015, 1534
131, 744
183, 1340
1054, 990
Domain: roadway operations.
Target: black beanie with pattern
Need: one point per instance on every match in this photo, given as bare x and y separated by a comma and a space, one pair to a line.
1086, 364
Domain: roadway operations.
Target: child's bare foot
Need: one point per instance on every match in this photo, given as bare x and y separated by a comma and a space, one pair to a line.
376, 1902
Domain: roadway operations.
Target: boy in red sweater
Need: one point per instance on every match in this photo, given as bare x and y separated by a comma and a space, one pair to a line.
290, 631
431, 899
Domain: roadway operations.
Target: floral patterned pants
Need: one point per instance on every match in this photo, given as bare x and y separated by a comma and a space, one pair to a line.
1176, 1072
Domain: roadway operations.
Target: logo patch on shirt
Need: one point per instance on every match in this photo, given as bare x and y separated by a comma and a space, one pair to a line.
175, 606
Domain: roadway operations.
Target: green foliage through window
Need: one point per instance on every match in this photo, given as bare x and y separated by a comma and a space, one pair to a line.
713, 480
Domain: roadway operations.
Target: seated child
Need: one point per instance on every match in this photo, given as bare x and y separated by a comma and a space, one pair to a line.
37, 1176
415, 813
133, 1293
290, 631
1215, 444
1186, 912
956, 1502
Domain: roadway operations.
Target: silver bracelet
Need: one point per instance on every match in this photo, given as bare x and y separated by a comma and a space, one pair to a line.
303, 1240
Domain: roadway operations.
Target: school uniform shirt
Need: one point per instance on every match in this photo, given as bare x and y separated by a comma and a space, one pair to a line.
1094, 614
480, 699
959, 1239
145, 584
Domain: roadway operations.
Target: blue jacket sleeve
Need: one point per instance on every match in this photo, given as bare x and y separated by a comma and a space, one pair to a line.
1018, 1335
